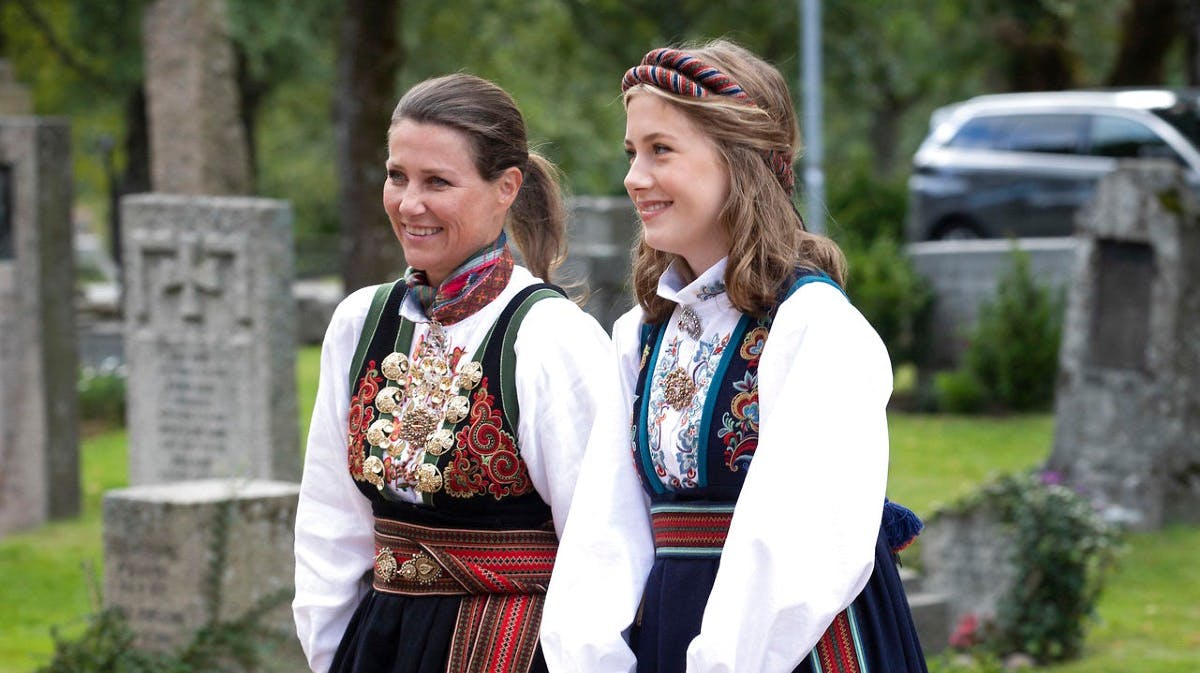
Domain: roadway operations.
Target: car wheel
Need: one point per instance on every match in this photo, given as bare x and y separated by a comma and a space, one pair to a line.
957, 230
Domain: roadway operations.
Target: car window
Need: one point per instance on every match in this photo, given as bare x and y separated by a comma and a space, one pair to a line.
1043, 133
1123, 138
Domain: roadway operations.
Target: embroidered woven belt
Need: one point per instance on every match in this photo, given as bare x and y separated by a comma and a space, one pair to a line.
698, 530
502, 576
690, 529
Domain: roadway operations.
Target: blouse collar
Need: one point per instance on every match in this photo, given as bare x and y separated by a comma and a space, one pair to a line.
706, 286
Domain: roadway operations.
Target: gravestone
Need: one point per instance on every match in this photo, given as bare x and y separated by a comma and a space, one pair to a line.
1127, 426
179, 555
39, 433
601, 233
967, 560
209, 338
198, 144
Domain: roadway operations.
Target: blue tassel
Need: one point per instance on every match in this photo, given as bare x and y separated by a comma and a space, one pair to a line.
900, 525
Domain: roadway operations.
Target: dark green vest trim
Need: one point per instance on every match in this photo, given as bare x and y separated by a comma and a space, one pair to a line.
387, 299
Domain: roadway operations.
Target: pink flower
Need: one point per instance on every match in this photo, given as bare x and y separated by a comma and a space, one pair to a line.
966, 634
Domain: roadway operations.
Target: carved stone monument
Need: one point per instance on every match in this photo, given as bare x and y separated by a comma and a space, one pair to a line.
39, 432
198, 144
177, 556
1127, 429
210, 338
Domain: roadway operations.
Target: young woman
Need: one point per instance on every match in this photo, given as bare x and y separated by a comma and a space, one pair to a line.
452, 411
728, 515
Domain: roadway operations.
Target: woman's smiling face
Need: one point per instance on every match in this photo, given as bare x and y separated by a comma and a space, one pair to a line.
441, 209
678, 181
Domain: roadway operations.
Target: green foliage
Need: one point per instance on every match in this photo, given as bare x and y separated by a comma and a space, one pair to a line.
959, 392
1063, 553
1012, 352
868, 217
891, 295
954, 662
102, 395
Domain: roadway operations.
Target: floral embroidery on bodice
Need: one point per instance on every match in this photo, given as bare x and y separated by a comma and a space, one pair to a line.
674, 440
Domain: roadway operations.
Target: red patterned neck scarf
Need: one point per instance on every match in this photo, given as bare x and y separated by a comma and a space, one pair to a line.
470, 287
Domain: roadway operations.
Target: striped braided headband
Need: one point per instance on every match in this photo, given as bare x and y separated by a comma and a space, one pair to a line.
683, 74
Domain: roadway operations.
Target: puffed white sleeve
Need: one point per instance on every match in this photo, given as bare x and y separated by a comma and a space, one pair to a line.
801, 543
607, 549
334, 540
561, 381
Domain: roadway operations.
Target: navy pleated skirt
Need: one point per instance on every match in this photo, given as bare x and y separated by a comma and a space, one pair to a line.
677, 590
403, 634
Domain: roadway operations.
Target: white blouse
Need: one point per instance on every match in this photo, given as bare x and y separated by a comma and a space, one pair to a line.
801, 544
563, 375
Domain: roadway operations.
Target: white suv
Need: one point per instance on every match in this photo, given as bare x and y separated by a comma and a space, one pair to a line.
1022, 164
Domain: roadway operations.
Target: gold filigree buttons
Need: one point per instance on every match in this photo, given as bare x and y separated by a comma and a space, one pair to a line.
379, 431
470, 374
387, 400
394, 366
457, 409
373, 471
429, 478
439, 442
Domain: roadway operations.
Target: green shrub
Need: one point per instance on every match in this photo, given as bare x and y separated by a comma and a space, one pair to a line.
1012, 351
865, 208
102, 394
959, 392
1062, 554
895, 299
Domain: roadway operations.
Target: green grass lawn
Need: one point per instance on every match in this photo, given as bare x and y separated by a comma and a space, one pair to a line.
1148, 622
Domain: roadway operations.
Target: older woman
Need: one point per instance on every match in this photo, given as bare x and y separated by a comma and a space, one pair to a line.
453, 408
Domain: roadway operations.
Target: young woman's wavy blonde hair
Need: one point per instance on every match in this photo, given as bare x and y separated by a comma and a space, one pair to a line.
766, 231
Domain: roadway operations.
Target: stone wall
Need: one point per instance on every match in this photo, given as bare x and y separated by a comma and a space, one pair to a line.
965, 274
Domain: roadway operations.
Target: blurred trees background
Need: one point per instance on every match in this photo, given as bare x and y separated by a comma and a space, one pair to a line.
318, 81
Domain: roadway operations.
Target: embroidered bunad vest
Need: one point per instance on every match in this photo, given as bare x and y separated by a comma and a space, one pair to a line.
690, 515
443, 422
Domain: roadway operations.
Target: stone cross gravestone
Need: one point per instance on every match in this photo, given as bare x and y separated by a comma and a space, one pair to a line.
179, 556
198, 144
209, 338
39, 432
1127, 427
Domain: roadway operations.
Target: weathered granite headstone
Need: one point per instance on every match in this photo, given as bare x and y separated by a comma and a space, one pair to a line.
179, 555
209, 338
198, 144
1127, 426
39, 435
967, 559
601, 234
15, 98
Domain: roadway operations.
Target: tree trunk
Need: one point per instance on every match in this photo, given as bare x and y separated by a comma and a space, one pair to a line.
1036, 55
1191, 43
368, 61
1149, 28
